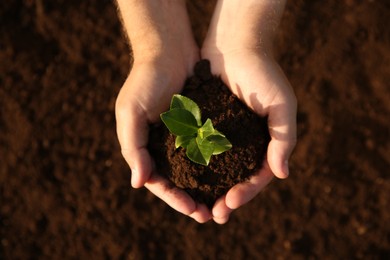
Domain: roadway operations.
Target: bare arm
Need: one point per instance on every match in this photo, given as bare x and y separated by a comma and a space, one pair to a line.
156, 27
244, 24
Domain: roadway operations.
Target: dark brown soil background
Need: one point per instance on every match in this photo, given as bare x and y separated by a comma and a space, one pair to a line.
65, 190
246, 131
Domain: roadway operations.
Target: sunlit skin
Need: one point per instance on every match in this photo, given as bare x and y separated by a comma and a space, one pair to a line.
239, 47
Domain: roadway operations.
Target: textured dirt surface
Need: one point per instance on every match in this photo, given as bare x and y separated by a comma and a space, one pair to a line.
65, 189
247, 132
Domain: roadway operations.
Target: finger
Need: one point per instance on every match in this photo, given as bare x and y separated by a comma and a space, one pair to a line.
140, 164
242, 193
201, 214
132, 131
278, 154
174, 197
222, 220
221, 212
282, 128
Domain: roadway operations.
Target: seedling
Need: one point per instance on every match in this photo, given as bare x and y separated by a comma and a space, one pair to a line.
201, 141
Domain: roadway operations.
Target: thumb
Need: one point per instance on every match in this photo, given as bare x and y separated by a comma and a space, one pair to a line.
132, 131
278, 155
282, 128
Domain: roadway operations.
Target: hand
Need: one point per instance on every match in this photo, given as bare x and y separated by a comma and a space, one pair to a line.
260, 83
246, 65
164, 56
145, 94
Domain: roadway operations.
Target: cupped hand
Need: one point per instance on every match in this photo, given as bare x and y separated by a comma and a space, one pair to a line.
145, 94
259, 82
164, 53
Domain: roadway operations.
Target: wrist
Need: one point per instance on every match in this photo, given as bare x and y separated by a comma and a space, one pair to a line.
157, 28
238, 25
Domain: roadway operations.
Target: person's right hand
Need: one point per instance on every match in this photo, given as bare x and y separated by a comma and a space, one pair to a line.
164, 56
145, 94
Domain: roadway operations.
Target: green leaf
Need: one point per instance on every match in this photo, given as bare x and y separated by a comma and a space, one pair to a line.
207, 129
221, 143
180, 122
179, 101
183, 141
200, 141
200, 151
193, 153
206, 148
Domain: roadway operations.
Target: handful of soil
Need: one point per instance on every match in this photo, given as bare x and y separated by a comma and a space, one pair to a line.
247, 132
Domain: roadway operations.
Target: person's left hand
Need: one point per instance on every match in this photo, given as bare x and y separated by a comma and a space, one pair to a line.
260, 83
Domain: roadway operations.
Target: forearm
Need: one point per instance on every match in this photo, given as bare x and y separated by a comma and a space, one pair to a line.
244, 24
152, 26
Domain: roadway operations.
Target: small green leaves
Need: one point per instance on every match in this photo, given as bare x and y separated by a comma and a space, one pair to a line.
207, 129
183, 140
180, 121
183, 102
221, 144
200, 151
200, 141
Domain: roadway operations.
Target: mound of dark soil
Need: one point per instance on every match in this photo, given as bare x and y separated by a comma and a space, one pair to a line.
247, 132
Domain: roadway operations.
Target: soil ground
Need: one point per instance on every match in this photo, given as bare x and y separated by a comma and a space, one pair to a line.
65, 189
